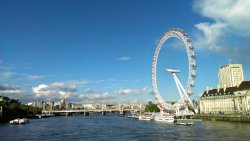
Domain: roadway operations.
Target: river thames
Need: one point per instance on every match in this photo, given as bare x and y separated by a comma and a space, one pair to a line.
113, 128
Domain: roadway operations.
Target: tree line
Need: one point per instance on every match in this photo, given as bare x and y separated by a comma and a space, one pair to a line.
12, 108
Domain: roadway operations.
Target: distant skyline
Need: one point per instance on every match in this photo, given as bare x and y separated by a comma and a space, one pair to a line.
95, 51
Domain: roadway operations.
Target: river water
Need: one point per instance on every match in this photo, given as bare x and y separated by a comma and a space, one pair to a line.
115, 128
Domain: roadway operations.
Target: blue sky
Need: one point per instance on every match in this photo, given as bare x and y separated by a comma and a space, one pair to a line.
95, 51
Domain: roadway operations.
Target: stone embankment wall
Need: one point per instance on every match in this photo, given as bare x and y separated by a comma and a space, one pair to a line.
214, 117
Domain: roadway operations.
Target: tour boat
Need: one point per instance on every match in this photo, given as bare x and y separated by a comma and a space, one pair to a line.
19, 121
145, 117
164, 117
133, 115
187, 124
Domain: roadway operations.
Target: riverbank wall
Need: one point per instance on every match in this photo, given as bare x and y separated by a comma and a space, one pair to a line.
232, 118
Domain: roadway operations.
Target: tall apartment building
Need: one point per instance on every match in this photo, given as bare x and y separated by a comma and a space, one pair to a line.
231, 97
230, 75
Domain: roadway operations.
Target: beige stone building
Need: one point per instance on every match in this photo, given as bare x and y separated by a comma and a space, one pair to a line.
230, 100
230, 75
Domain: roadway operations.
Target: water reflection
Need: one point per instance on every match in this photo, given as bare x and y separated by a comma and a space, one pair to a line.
113, 127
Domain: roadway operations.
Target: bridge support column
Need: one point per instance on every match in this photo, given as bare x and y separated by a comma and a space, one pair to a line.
122, 113
86, 114
104, 113
1, 112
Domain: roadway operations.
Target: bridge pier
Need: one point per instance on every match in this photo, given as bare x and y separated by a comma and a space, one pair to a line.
1, 112
104, 113
86, 113
122, 113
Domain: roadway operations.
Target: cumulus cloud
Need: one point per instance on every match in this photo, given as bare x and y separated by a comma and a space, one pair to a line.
211, 33
234, 13
125, 58
10, 90
227, 17
15, 92
68, 90
60, 86
54, 91
145, 90
8, 87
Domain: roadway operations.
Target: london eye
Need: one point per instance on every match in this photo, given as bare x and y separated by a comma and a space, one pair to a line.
184, 93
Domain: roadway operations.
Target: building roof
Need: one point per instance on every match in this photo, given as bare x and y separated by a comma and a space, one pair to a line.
245, 85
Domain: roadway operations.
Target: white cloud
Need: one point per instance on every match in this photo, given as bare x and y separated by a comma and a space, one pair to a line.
65, 90
145, 90
104, 97
39, 88
210, 35
234, 13
89, 90
6, 75
125, 58
35, 77
15, 92
229, 17
64, 86
57, 91
77, 82
8, 89
54, 91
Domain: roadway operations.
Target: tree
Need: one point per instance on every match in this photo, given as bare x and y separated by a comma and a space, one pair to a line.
152, 108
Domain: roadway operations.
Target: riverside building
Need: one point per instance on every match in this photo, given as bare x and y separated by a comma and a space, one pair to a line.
230, 75
232, 95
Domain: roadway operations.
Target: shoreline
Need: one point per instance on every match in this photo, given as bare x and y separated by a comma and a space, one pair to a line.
217, 117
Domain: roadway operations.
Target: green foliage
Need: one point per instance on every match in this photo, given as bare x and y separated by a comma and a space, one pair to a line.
152, 108
13, 108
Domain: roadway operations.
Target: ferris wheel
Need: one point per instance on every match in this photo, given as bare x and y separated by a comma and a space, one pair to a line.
184, 93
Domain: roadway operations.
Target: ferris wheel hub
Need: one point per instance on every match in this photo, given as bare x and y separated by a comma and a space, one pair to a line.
173, 71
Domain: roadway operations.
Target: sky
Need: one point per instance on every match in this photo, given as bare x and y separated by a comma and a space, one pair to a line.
95, 51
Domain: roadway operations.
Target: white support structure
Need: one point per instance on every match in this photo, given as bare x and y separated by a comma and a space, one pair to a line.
183, 94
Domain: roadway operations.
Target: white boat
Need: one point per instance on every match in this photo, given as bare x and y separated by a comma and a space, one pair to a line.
164, 117
145, 117
133, 115
187, 124
19, 121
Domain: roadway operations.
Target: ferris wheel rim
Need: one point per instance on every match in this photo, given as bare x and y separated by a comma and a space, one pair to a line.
183, 37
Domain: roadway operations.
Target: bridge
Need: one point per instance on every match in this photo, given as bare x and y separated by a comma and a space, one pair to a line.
86, 112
